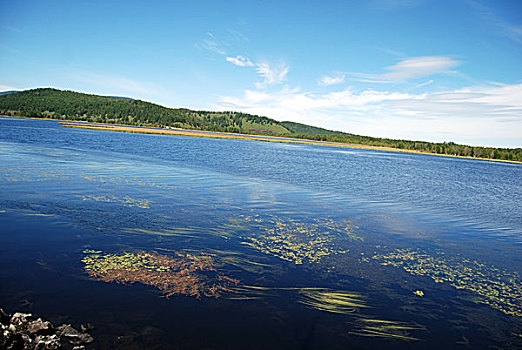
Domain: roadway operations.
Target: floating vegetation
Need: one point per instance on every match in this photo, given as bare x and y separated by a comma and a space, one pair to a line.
386, 329
182, 274
499, 289
14, 175
126, 201
420, 293
111, 179
339, 302
298, 242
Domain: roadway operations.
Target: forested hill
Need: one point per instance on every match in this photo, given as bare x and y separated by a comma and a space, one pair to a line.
58, 104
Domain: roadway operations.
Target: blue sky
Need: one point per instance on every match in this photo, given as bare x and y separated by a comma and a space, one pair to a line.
425, 70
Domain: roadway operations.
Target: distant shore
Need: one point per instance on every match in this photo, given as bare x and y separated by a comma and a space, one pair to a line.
222, 135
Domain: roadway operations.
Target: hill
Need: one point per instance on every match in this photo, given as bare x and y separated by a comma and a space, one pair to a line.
59, 104
8, 92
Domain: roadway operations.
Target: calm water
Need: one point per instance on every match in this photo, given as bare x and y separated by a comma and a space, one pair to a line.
328, 247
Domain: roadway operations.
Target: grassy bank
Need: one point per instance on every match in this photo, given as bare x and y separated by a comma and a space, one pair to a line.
220, 135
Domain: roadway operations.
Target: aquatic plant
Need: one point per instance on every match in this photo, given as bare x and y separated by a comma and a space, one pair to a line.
126, 201
497, 288
127, 180
339, 302
21, 174
182, 274
295, 241
244, 292
367, 327
242, 261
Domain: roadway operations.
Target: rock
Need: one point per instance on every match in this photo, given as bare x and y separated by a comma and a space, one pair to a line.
22, 331
12, 341
4, 318
86, 327
40, 327
19, 319
68, 331
74, 336
47, 342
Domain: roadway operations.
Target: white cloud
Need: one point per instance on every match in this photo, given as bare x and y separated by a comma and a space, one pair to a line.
484, 115
337, 78
271, 74
240, 61
411, 68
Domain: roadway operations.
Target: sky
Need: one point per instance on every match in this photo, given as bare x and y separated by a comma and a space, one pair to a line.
430, 70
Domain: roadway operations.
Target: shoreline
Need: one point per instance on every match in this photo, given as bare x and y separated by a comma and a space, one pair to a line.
235, 136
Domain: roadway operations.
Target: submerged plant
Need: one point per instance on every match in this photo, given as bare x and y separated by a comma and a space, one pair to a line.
339, 302
126, 201
499, 289
367, 327
182, 274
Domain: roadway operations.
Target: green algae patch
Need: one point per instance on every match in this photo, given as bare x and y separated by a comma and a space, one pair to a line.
296, 241
125, 201
182, 274
502, 290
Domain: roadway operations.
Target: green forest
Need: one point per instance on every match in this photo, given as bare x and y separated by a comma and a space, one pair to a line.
69, 105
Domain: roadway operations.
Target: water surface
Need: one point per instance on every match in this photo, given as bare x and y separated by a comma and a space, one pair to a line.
330, 248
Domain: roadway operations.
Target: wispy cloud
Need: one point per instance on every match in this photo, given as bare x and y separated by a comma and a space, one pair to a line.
271, 74
464, 115
327, 80
115, 84
390, 51
240, 61
411, 68
421, 85
11, 29
7, 88
393, 5
237, 35
510, 30
211, 44
221, 44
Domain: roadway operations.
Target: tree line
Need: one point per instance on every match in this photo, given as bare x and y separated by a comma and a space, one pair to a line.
69, 105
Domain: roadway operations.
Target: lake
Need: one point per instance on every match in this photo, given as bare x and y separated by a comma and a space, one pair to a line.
167, 242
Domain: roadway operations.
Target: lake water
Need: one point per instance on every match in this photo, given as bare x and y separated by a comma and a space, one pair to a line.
188, 243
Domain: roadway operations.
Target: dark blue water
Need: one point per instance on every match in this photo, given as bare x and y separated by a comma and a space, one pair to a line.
65, 190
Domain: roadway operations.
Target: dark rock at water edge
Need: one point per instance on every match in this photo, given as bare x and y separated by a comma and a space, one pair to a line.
22, 331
